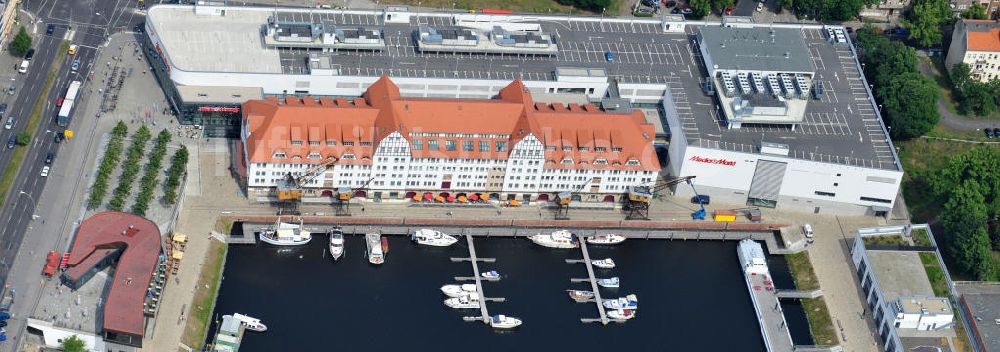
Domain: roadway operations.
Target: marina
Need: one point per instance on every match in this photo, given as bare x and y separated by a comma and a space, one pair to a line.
766, 305
485, 314
357, 297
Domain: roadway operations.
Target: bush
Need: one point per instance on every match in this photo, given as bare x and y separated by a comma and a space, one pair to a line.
178, 165
23, 138
131, 169
112, 154
148, 181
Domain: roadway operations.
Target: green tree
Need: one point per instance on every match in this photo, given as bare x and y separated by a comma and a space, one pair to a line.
976, 12
23, 138
21, 43
910, 103
700, 8
722, 5
925, 19
73, 344
592, 5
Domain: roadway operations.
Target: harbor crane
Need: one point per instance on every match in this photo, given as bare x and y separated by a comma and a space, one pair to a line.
290, 189
342, 198
563, 200
637, 198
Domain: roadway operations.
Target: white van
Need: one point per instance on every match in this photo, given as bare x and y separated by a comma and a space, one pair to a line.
807, 230
24, 67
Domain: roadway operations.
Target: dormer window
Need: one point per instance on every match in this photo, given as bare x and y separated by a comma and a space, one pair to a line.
584, 162
550, 148
567, 161
314, 155
348, 143
296, 142
616, 149
632, 162
331, 142
583, 149
600, 149
280, 155
348, 156
567, 149
600, 162
313, 143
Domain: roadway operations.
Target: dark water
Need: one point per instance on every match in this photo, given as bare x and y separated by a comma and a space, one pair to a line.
691, 294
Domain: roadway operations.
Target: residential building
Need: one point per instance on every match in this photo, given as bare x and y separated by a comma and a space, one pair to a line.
976, 43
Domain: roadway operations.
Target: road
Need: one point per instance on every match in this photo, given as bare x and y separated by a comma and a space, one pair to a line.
86, 23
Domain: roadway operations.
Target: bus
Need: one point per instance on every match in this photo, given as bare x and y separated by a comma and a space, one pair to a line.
67, 106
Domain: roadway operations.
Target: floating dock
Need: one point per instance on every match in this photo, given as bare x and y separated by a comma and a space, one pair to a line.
764, 297
593, 286
484, 313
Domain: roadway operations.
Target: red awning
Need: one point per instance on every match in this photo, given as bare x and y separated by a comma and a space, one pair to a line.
474, 196
451, 199
428, 196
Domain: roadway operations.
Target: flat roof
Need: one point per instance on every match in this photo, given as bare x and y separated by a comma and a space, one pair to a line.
900, 274
100, 236
216, 94
982, 301
756, 49
842, 127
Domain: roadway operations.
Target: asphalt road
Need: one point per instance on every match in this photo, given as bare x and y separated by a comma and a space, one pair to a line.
86, 23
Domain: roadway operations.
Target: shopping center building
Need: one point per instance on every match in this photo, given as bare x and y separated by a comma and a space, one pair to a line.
774, 115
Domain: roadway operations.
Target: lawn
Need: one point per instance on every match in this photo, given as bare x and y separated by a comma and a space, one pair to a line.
204, 298
920, 157
820, 323
537, 6
224, 225
935, 275
921, 237
10, 172
893, 240
944, 83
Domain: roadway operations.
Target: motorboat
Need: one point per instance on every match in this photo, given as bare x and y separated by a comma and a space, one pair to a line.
606, 239
492, 275
580, 296
627, 302
611, 282
463, 302
285, 234
458, 290
556, 239
336, 243
251, 323
373, 241
605, 263
504, 322
623, 314
434, 238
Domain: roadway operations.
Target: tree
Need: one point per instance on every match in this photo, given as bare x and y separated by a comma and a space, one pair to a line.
592, 5
910, 102
784, 4
925, 19
23, 138
976, 12
972, 96
73, 344
21, 43
700, 8
722, 5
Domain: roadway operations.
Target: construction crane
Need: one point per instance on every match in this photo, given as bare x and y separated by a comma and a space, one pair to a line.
342, 200
290, 189
563, 199
701, 201
637, 198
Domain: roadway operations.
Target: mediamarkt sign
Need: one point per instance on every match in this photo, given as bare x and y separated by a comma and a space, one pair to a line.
218, 109
702, 159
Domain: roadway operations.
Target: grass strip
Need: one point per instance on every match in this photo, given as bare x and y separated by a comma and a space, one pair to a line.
10, 171
818, 315
203, 302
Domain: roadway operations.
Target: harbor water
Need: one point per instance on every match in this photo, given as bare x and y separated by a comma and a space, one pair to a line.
692, 297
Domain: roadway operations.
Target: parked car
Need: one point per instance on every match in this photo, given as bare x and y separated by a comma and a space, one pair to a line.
49, 157
729, 11
11, 141
3, 108
687, 11
10, 123
676, 10
807, 230
644, 11
30, 54
51, 28
11, 90
59, 137
996, 132
59, 102
45, 171
989, 132
76, 65
609, 56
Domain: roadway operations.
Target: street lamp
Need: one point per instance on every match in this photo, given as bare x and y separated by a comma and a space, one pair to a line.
27, 194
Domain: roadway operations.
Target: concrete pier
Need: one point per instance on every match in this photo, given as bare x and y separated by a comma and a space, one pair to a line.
771, 317
484, 313
593, 286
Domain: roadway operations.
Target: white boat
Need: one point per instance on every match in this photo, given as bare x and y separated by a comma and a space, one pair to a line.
464, 302
624, 314
458, 290
605, 263
285, 234
434, 238
580, 296
627, 302
557, 239
606, 239
250, 323
336, 243
504, 322
609, 282
374, 243
492, 274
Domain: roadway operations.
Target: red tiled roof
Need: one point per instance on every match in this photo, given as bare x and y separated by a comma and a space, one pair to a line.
102, 235
985, 39
273, 126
